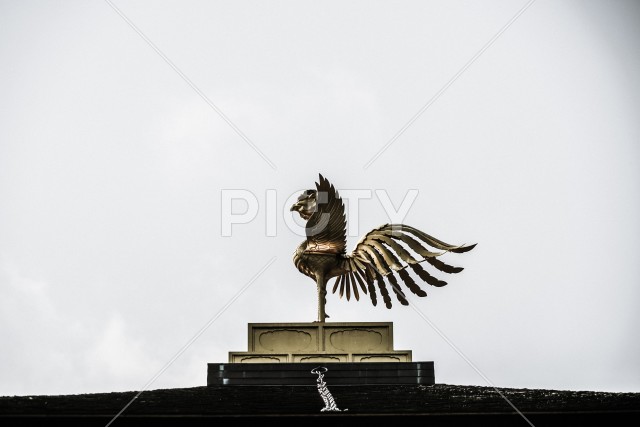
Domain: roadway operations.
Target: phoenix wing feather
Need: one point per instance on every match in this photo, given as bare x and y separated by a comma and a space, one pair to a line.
391, 250
326, 229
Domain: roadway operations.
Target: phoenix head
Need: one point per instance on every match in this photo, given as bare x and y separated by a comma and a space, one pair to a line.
306, 204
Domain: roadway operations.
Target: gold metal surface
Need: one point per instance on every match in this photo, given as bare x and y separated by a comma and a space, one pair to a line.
383, 253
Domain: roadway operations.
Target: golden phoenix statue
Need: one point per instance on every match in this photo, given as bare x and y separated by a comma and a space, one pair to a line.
382, 252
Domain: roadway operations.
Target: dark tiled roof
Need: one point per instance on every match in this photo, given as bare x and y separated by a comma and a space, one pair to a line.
419, 404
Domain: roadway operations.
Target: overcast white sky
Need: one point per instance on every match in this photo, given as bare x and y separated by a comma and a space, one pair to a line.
112, 168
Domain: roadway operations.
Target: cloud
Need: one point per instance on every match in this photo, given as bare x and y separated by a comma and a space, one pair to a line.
50, 351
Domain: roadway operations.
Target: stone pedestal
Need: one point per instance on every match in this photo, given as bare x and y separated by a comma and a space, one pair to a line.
320, 342
353, 353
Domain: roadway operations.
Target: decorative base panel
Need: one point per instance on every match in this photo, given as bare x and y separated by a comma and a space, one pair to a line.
320, 342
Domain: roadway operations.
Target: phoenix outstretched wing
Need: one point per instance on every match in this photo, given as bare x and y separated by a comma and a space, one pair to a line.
389, 250
326, 229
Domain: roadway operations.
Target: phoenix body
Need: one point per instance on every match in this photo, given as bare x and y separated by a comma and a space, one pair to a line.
384, 255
